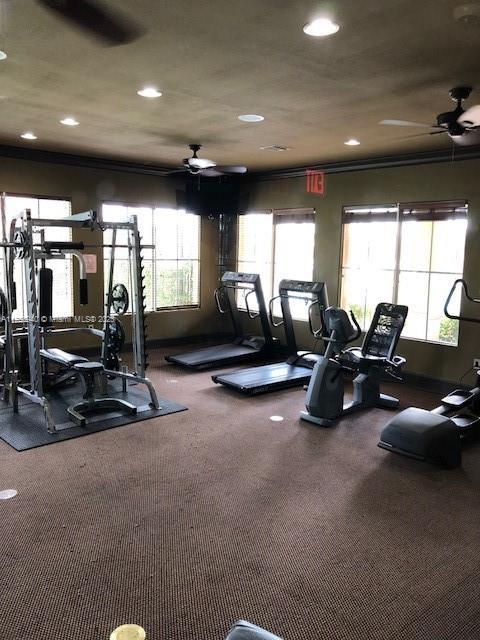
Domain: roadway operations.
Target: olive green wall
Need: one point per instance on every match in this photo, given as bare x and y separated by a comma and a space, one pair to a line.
87, 188
438, 181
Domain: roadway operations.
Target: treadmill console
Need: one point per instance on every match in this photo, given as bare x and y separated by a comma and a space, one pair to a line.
301, 286
305, 286
235, 276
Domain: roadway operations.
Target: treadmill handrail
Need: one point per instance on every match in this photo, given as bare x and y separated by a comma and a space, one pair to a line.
270, 312
294, 297
467, 295
216, 295
316, 333
251, 314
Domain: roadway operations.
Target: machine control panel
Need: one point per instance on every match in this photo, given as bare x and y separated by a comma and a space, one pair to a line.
302, 286
235, 276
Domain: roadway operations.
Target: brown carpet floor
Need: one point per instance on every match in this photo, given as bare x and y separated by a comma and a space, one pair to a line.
184, 523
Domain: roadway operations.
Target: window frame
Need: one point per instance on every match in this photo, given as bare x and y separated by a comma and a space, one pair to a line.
66, 318
152, 206
400, 218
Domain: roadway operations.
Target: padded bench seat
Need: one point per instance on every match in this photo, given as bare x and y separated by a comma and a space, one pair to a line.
62, 357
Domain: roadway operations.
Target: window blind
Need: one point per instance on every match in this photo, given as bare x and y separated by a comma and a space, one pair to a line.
380, 213
286, 216
443, 210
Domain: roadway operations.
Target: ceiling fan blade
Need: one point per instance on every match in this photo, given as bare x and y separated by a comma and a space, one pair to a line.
174, 171
231, 169
406, 123
212, 172
96, 19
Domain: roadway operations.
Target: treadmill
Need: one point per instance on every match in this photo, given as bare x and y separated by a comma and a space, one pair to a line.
297, 369
244, 346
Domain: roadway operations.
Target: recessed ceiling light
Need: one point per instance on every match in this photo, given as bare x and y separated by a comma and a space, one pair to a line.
28, 135
276, 418
321, 27
250, 117
7, 494
70, 122
3, 55
149, 92
352, 142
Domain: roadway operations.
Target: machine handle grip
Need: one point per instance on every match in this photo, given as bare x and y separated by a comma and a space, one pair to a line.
270, 312
216, 295
13, 294
467, 295
316, 333
251, 314
358, 329
83, 291
63, 246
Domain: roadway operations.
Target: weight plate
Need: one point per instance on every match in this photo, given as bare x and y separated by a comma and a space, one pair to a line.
20, 239
120, 299
115, 337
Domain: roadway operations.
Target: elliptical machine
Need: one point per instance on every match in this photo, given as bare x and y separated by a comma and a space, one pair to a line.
436, 436
324, 400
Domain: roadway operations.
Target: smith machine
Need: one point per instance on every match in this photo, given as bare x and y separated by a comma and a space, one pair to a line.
27, 342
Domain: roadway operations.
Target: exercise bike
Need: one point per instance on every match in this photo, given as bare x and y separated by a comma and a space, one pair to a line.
325, 393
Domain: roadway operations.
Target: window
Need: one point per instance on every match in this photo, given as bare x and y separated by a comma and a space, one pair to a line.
171, 256
277, 245
62, 269
408, 254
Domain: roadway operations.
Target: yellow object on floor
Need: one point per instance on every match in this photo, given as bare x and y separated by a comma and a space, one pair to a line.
128, 632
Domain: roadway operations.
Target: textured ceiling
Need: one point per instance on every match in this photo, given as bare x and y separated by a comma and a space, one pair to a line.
216, 59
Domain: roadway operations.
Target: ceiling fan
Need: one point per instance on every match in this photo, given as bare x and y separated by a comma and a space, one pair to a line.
204, 167
97, 19
457, 123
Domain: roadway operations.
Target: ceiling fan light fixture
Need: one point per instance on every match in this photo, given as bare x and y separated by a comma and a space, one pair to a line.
471, 117
200, 163
321, 27
352, 142
251, 117
149, 92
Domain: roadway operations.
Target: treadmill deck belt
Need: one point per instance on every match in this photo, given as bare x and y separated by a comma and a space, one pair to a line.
214, 356
266, 378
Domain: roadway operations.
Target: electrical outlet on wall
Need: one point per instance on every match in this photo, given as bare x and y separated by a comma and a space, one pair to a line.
476, 363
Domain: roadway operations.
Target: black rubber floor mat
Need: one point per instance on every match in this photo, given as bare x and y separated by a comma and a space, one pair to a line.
27, 429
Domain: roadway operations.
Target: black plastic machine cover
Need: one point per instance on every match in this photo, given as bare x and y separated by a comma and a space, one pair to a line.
243, 630
423, 435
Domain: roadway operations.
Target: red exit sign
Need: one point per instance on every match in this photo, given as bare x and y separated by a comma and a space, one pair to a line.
315, 182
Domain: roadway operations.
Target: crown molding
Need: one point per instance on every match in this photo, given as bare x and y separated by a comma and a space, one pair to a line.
383, 162
88, 162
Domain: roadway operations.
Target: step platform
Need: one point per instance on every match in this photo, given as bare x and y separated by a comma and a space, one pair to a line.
458, 399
